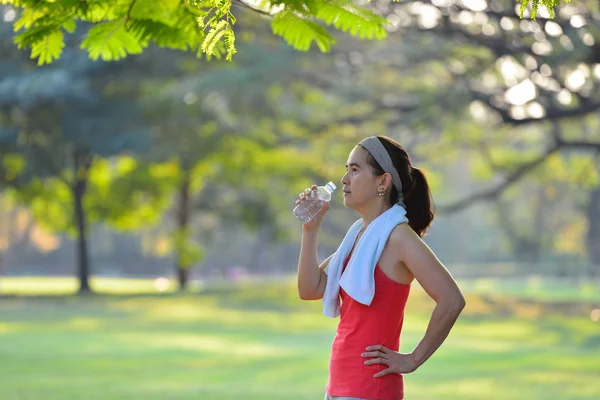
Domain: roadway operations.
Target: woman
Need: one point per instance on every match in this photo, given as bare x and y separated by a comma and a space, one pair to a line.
365, 362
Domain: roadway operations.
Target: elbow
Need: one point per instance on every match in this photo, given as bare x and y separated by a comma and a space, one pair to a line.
309, 297
306, 295
463, 303
453, 304
458, 303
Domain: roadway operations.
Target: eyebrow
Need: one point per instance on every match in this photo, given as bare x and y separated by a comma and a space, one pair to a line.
353, 165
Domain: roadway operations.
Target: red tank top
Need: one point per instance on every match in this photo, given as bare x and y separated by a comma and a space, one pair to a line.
361, 326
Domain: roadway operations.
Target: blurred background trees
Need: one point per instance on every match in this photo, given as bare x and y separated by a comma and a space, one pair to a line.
164, 164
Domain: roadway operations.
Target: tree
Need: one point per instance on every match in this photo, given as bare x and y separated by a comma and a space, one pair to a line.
203, 27
189, 137
454, 79
551, 80
57, 157
545, 85
229, 133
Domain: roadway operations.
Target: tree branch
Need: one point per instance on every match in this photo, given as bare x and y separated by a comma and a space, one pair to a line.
487, 155
518, 174
131, 5
492, 193
552, 113
241, 4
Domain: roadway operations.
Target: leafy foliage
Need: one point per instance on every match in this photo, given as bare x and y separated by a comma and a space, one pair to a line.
348, 17
300, 33
201, 26
535, 5
111, 41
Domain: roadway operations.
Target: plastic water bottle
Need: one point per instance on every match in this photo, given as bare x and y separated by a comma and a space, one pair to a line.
314, 202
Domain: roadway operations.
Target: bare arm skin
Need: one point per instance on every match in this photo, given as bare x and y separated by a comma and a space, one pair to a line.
311, 278
413, 253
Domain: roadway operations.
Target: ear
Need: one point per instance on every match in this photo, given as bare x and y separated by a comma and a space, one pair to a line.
386, 180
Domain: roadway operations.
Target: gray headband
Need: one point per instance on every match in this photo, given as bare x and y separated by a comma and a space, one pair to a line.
375, 148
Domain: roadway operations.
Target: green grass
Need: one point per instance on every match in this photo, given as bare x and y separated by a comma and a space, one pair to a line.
537, 288
68, 285
260, 342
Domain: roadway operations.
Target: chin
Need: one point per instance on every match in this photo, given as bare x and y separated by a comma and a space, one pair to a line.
348, 204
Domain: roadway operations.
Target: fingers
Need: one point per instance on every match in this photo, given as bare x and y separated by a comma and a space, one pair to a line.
373, 354
383, 373
377, 357
303, 195
378, 360
379, 347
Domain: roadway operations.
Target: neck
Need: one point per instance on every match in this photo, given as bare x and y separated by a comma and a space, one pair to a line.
369, 214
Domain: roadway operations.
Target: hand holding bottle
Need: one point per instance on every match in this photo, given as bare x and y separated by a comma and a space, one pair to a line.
312, 204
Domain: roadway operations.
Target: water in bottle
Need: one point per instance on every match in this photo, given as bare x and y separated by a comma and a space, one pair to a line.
314, 202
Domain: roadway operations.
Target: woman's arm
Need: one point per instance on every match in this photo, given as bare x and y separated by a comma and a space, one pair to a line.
311, 278
439, 285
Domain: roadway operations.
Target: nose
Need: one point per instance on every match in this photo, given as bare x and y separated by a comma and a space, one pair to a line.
345, 180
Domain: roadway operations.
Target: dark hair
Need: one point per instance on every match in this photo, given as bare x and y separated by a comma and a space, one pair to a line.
417, 196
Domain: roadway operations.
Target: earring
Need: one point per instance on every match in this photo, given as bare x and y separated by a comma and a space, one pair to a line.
381, 192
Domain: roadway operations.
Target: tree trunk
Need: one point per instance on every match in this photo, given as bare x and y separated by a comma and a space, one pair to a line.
82, 165
182, 278
593, 233
183, 219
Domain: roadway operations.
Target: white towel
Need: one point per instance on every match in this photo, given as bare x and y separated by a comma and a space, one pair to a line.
358, 279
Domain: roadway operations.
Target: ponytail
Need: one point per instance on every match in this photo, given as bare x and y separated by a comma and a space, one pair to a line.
415, 189
418, 202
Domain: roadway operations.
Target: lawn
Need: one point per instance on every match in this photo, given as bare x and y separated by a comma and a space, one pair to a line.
259, 342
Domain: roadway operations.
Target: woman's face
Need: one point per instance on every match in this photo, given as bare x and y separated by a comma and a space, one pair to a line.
359, 183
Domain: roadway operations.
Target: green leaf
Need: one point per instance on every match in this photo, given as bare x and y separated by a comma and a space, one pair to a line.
110, 41
69, 25
232, 19
34, 35
348, 17
548, 4
49, 49
162, 34
161, 10
222, 7
230, 43
210, 49
299, 32
97, 12
213, 36
534, 8
27, 19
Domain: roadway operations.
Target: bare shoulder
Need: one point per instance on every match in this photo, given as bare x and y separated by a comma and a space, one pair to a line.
403, 234
406, 243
